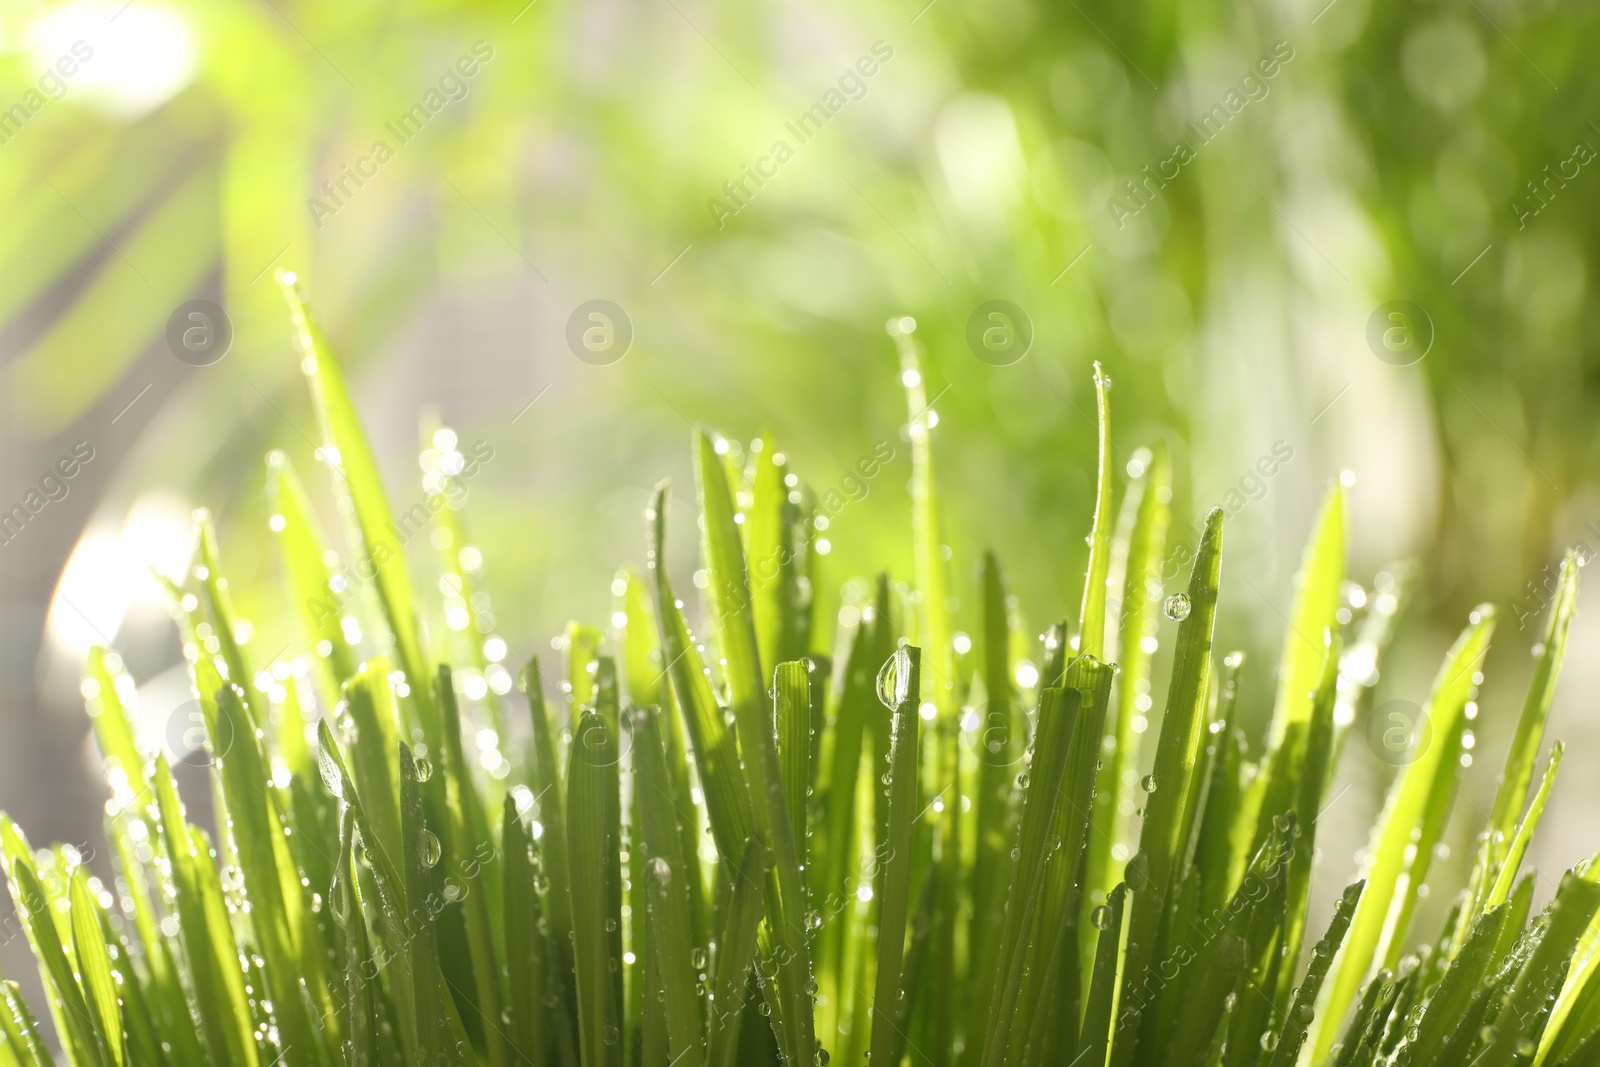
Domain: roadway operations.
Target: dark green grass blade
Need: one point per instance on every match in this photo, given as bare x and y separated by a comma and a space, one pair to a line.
1057, 711
1439, 1018
1520, 1021
1301, 1012
471, 851
589, 850
1100, 1004
525, 945
420, 851
899, 686
1524, 833
736, 948
1150, 873
665, 874
359, 1005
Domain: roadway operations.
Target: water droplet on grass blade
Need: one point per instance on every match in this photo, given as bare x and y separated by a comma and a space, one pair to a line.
431, 850
1177, 607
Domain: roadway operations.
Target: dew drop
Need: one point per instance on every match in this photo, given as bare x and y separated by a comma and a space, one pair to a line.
1101, 917
430, 849
1177, 607
423, 769
1148, 783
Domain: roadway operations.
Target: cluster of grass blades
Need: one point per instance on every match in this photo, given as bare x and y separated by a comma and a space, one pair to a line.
918, 849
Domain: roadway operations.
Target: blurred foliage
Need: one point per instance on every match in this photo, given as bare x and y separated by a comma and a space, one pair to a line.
1389, 156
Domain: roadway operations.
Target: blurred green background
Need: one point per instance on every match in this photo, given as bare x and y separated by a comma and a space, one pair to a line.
1334, 157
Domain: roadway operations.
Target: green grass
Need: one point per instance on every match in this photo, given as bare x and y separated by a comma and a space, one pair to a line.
752, 852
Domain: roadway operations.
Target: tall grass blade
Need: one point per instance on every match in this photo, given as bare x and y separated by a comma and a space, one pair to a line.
899, 686
1316, 601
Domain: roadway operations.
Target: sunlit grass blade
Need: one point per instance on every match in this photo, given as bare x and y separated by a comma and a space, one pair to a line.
1516, 778
791, 697
348, 453
1519, 1022
1151, 872
21, 1030
94, 968
1316, 600
899, 686
1092, 609
727, 795
319, 608
1524, 832
1402, 842
437, 1030
208, 950
765, 548
786, 899
1136, 555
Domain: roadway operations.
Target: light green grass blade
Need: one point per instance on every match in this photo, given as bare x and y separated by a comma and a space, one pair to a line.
1140, 538
373, 729
319, 608
1516, 778
899, 686
786, 901
767, 540
76, 1024
1101, 1003
1092, 609
939, 681
589, 851
1316, 600
1151, 872
21, 1030
1522, 1015
791, 696
1411, 810
727, 795
1524, 832
583, 652
94, 968
348, 453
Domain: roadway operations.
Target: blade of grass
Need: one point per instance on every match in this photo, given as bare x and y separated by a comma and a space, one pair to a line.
525, 947
786, 901
590, 851
1401, 840
21, 1030
666, 891
899, 686
317, 606
348, 453
1316, 601
1524, 832
1298, 1020
736, 948
791, 701
1150, 873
